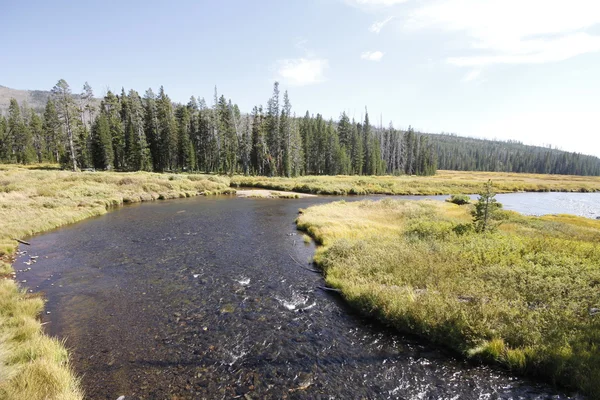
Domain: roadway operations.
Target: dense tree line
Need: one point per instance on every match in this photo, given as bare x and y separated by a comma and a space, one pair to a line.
129, 132
467, 154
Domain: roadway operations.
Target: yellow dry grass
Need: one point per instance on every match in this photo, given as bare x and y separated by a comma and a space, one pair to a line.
444, 182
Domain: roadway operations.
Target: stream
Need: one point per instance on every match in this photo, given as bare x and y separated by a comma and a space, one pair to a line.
204, 298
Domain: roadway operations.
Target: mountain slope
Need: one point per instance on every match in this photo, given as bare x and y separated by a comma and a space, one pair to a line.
35, 99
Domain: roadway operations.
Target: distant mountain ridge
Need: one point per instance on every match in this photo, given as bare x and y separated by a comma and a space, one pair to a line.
35, 99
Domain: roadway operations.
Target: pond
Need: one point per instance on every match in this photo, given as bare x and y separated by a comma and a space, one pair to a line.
212, 298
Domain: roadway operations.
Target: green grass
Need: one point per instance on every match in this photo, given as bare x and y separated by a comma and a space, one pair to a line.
32, 365
520, 296
444, 182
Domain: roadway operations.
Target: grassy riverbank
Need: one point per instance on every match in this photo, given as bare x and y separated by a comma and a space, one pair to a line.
32, 365
444, 182
526, 296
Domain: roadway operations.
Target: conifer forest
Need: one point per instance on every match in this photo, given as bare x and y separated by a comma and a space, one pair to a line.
149, 132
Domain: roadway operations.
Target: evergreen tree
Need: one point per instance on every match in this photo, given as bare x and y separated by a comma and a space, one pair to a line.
113, 109
151, 128
36, 127
137, 152
53, 135
357, 151
485, 209
102, 151
272, 121
167, 132
286, 136
4, 141
65, 107
86, 106
185, 151
367, 145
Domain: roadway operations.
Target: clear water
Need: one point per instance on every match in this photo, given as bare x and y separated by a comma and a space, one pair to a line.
205, 298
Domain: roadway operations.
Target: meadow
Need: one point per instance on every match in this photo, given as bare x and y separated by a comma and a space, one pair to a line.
525, 296
444, 182
39, 198
32, 365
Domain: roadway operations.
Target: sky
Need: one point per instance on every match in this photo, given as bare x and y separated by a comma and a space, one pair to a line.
526, 70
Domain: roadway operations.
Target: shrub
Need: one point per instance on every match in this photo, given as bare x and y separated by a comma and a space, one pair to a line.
459, 199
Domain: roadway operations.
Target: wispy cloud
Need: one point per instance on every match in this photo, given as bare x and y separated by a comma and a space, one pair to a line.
302, 71
472, 75
513, 31
372, 55
378, 25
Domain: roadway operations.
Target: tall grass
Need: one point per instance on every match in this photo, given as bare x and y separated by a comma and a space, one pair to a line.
444, 182
32, 365
525, 296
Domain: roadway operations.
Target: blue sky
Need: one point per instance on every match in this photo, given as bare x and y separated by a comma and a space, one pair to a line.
508, 69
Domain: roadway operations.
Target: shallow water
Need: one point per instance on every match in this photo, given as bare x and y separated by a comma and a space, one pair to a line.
206, 298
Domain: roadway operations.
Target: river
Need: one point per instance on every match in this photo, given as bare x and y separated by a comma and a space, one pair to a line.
200, 298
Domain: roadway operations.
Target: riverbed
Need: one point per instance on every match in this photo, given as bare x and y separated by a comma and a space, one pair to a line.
213, 298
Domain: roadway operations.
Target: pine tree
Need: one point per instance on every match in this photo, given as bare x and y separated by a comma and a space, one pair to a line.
36, 128
86, 105
113, 109
286, 136
53, 134
14, 126
367, 145
272, 121
4, 140
357, 151
65, 107
306, 136
485, 209
138, 152
167, 132
151, 128
185, 151
296, 152
102, 151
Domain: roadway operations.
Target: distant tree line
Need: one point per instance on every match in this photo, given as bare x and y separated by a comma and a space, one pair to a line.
129, 132
467, 154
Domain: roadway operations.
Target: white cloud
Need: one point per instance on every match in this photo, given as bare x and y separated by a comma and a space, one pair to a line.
472, 75
372, 55
378, 25
514, 31
302, 71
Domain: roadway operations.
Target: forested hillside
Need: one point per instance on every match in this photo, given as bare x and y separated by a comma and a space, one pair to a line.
468, 154
131, 132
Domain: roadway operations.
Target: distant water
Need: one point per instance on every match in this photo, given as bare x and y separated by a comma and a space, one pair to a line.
582, 204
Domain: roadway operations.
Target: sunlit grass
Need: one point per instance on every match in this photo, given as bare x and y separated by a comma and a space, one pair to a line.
444, 182
523, 296
32, 200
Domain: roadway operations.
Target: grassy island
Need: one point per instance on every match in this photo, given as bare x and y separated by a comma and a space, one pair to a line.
526, 296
